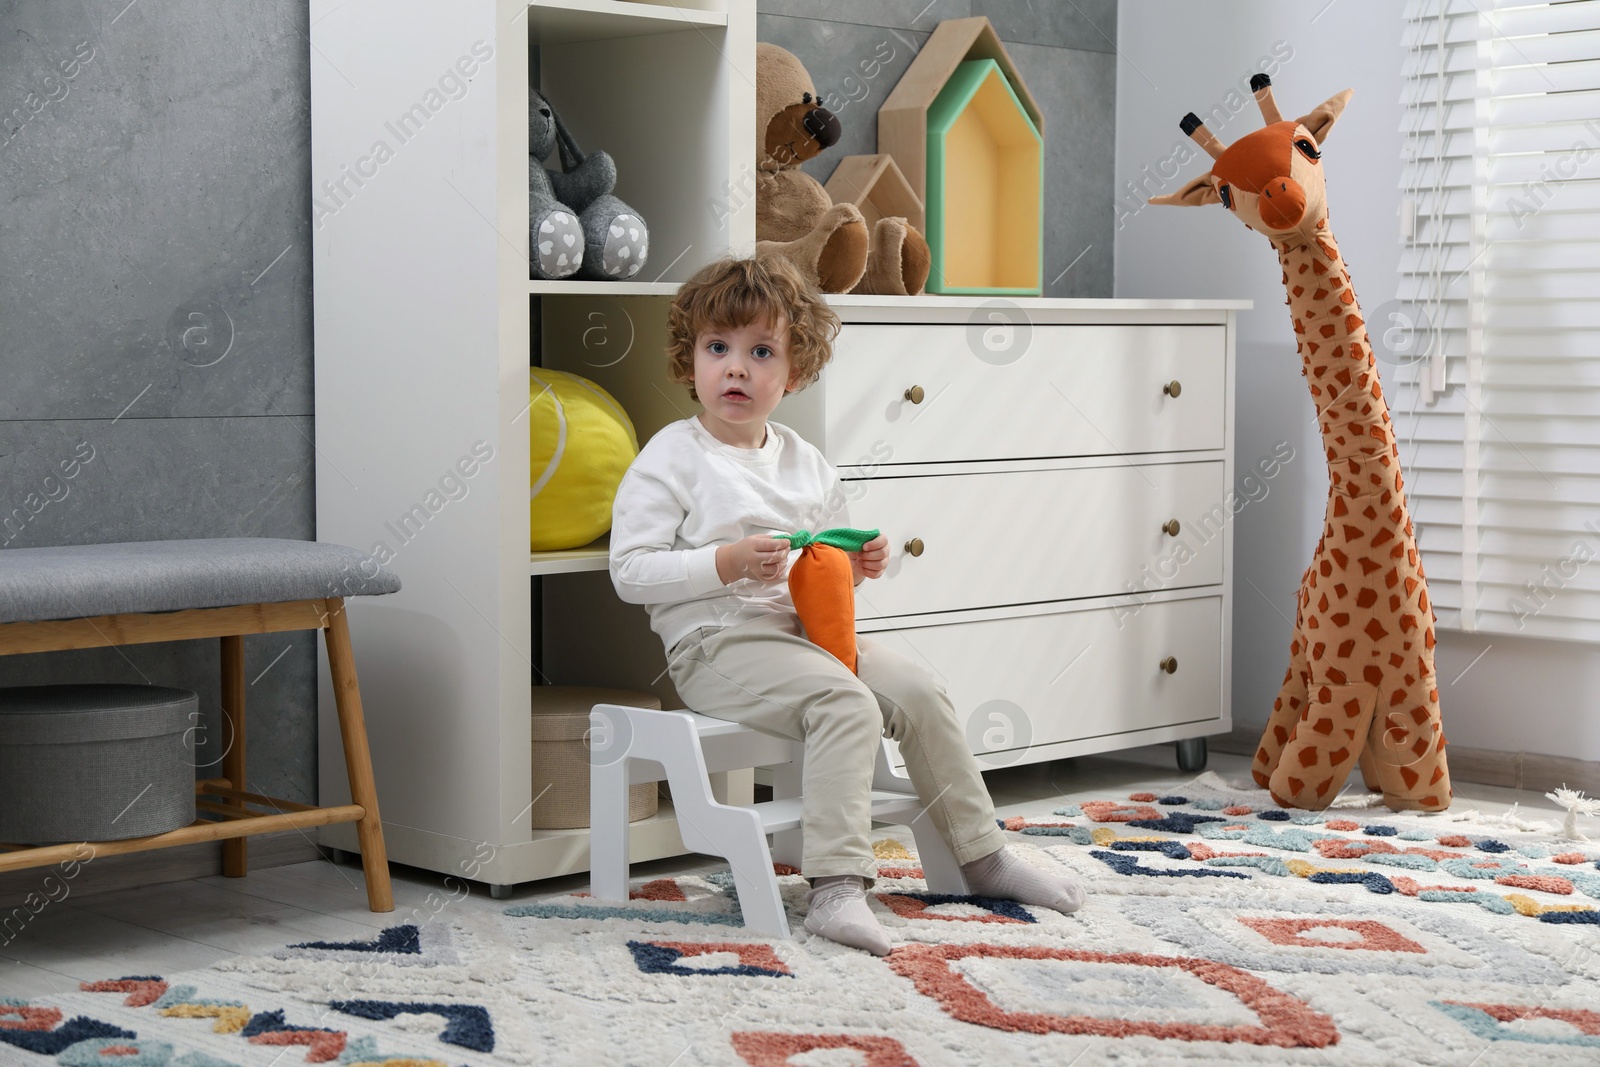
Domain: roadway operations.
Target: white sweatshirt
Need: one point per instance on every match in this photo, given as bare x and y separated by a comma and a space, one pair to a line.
685, 494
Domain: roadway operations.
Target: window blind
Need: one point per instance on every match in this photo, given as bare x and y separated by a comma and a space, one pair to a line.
1493, 345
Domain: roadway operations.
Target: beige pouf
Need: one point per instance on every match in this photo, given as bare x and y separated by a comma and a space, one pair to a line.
561, 754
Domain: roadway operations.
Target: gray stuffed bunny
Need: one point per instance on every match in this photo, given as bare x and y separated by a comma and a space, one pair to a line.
575, 225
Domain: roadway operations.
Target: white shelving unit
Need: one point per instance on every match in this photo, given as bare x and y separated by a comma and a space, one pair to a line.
424, 325
423, 340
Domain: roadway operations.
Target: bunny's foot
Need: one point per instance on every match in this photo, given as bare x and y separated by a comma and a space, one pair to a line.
557, 245
616, 240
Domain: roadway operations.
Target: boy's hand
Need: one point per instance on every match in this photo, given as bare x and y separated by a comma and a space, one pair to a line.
758, 556
872, 560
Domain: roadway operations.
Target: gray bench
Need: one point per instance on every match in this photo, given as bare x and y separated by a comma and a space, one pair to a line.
91, 596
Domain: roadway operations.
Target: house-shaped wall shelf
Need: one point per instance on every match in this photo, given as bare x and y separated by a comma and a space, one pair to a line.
985, 187
877, 186
903, 118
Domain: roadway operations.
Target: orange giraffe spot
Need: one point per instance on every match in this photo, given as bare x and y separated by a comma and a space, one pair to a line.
1366, 598
1340, 619
1352, 708
1374, 629
1347, 646
1336, 676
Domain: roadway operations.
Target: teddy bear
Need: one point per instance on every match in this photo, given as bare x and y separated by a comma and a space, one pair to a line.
575, 226
796, 217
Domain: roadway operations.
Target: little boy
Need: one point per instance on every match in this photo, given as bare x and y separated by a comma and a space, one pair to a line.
691, 539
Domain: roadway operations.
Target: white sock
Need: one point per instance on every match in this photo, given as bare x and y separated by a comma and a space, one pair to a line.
838, 911
1008, 876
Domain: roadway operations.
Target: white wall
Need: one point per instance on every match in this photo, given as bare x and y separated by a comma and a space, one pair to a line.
1175, 57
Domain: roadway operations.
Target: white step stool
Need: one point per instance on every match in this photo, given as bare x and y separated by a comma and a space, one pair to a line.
629, 745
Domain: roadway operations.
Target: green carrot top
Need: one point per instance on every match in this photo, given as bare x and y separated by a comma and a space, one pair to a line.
839, 537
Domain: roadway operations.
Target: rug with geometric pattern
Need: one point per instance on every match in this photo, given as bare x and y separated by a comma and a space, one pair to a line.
1218, 928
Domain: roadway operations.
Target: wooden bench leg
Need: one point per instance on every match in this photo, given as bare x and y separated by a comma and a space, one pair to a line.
235, 851
357, 759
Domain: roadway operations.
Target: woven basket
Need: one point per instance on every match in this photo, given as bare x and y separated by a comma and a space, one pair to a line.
561, 754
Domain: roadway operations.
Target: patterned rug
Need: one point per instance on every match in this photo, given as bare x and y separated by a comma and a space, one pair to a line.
1219, 928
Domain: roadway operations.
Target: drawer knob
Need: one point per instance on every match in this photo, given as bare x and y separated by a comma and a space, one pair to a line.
1172, 388
914, 394
1171, 527
914, 546
1170, 665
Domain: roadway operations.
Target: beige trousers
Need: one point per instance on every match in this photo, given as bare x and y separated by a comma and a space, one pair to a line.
766, 674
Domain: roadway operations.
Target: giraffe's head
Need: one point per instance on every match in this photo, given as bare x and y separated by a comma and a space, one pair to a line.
1272, 178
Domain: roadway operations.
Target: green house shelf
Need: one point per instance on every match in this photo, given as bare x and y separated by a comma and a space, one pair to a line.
985, 187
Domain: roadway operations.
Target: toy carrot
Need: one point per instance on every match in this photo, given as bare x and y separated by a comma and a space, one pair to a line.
822, 586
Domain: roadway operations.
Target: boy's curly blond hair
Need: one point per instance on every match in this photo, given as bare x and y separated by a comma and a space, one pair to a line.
729, 293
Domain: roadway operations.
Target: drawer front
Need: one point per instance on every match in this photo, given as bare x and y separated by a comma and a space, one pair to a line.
1075, 391
1023, 537
1040, 679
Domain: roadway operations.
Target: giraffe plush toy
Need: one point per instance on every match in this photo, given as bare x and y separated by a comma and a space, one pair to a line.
1360, 687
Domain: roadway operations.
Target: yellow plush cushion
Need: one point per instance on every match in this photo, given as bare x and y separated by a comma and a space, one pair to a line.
581, 442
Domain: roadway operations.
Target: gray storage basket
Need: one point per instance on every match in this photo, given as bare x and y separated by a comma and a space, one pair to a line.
95, 762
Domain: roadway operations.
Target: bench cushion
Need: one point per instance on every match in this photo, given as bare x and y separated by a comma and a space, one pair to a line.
76, 581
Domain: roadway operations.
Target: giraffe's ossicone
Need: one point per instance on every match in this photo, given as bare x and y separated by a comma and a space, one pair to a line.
1360, 688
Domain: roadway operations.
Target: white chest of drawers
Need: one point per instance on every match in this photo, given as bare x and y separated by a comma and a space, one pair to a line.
1052, 476
1026, 491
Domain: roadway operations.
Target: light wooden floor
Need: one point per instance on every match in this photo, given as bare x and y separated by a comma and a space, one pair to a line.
185, 925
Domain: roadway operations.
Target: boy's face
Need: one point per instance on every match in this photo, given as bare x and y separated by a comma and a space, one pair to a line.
741, 374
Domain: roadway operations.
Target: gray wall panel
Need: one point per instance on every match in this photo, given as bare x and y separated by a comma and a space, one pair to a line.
145, 205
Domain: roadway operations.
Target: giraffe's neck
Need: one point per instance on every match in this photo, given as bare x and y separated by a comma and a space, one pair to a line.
1338, 362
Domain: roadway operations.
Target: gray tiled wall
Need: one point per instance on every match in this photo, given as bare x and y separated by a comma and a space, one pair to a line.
855, 51
155, 317
155, 278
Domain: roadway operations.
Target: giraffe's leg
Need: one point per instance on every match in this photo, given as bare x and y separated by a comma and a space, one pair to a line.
1369, 769
1325, 745
1406, 739
1291, 698
1286, 711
